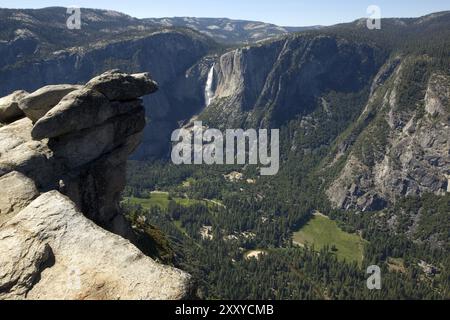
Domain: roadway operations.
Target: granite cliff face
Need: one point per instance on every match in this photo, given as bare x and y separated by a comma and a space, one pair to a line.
404, 150
62, 170
271, 83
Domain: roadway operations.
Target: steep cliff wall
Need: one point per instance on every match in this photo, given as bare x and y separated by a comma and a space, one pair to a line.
273, 82
403, 149
62, 170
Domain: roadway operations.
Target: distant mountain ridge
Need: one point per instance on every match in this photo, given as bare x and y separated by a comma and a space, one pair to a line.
228, 30
106, 24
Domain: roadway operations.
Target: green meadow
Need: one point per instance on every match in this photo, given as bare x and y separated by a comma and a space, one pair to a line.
321, 231
161, 199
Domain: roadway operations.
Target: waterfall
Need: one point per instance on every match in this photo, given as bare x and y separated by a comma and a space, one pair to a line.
209, 94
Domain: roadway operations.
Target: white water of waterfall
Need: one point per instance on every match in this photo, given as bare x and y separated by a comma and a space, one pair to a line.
209, 94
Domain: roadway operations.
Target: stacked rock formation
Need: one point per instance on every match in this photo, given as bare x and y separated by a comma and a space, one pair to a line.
63, 153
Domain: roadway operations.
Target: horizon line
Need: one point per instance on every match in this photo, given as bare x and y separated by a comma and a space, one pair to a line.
228, 18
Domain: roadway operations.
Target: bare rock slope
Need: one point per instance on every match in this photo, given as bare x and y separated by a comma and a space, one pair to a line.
62, 169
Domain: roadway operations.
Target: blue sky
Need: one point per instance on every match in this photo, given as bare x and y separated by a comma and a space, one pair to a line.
281, 12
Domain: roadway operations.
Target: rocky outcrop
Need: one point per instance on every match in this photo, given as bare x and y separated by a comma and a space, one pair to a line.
115, 85
51, 251
63, 172
37, 104
9, 106
17, 192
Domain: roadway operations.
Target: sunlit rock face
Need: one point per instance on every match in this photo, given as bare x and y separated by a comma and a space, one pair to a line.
62, 234
413, 158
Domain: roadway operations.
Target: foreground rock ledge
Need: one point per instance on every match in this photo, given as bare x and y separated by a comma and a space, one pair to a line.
51, 251
62, 171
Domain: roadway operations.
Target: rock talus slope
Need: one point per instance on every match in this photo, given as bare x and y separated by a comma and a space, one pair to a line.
62, 170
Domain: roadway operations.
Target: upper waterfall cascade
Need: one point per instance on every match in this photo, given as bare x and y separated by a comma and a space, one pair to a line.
209, 94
